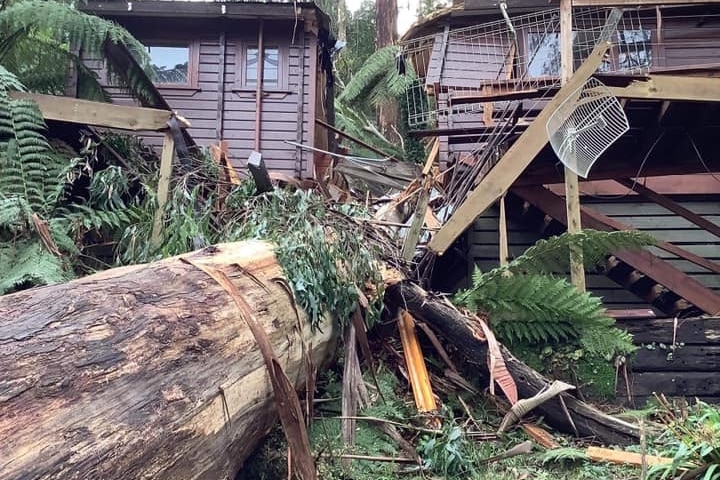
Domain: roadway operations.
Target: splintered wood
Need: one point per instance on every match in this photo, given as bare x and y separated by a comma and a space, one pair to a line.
417, 371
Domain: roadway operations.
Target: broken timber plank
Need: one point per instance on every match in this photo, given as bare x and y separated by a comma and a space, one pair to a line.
671, 205
515, 160
668, 87
99, 114
619, 457
415, 362
166, 158
413, 236
641, 260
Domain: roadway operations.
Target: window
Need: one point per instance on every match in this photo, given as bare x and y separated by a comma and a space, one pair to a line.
633, 49
173, 65
273, 75
543, 55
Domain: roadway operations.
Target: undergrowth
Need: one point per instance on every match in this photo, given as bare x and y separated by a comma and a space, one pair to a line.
451, 451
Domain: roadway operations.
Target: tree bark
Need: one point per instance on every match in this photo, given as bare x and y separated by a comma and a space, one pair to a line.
467, 338
147, 371
386, 14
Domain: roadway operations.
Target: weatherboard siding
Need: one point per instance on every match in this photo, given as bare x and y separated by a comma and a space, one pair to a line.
280, 106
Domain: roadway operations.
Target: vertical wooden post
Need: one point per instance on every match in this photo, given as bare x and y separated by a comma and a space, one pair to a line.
259, 90
504, 250
572, 190
166, 159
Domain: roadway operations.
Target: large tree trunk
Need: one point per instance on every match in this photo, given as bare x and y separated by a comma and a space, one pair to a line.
580, 417
386, 15
146, 371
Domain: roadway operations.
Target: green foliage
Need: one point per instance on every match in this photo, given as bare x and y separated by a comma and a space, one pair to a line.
531, 309
378, 80
552, 255
691, 438
325, 267
564, 454
449, 453
38, 41
355, 123
27, 262
360, 38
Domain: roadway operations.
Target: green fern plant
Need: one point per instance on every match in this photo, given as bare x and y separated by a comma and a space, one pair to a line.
39, 40
378, 80
528, 305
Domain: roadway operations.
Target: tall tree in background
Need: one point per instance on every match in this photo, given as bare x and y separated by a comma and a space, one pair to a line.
386, 13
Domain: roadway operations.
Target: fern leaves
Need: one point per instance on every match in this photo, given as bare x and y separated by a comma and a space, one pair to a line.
529, 305
38, 39
378, 80
552, 255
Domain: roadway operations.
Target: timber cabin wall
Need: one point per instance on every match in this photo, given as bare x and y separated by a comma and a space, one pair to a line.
645, 216
225, 108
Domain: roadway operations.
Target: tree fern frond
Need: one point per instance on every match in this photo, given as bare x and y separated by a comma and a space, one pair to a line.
375, 68
553, 254
29, 263
50, 29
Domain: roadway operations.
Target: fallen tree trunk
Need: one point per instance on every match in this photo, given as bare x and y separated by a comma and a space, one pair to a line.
147, 371
577, 417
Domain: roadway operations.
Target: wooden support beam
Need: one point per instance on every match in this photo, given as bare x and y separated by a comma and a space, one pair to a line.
572, 188
671, 87
166, 158
671, 205
665, 164
98, 114
641, 260
503, 237
515, 160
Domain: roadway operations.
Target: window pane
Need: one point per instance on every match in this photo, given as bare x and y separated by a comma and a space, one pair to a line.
634, 49
251, 66
543, 55
271, 66
170, 64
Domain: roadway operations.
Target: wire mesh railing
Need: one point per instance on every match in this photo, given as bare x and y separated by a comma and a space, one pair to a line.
464, 70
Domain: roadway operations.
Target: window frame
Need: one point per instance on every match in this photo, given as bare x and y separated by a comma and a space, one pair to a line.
283, 68
193, 47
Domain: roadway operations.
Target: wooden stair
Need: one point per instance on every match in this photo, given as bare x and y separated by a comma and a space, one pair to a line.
645, 275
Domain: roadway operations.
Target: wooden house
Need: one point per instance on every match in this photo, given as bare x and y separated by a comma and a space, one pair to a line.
488, 84
205, 59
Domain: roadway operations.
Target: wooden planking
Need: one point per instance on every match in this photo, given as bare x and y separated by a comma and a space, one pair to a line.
676, 384
692, 331
683, 358
97, 113
513, 163
280, 117
671, 205
666, 87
